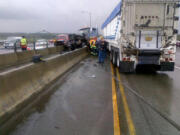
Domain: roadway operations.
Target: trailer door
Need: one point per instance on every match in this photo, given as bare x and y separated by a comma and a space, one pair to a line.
148, 40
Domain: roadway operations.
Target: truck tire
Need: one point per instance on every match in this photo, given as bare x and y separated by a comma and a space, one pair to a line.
114, 58
117, 60
73, 47
111, 56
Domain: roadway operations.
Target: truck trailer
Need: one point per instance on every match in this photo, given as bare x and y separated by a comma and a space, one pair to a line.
143, 32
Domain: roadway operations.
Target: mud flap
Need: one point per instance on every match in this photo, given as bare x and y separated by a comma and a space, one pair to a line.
126, 67
167, 66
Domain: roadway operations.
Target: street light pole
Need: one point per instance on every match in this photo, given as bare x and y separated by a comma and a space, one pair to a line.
90, 19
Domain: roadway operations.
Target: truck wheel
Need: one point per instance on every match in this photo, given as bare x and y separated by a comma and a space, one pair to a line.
72, 47
114, 58
118, 61
111, 56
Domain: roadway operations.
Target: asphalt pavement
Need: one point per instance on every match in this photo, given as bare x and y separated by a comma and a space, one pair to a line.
85, 103
81, 105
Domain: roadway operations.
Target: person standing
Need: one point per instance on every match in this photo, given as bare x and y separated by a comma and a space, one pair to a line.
93, 48
102, 46
23, 43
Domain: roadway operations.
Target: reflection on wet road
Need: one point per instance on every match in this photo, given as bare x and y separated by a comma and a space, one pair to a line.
83, 103
160, 89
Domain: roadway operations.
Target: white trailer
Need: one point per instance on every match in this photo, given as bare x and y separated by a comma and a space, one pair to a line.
143, 32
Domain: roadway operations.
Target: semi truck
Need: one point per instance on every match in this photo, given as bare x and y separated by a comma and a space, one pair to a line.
143, 33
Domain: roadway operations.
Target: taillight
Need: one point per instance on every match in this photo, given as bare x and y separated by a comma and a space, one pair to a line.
128, 59
124, 59
166, 59
170, 59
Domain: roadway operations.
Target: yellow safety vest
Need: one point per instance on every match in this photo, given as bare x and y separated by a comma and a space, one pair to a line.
23, 42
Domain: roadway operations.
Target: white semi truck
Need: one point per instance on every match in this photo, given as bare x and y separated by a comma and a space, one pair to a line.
143, 32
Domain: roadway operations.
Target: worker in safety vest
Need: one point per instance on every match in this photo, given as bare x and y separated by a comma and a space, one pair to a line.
93, 48
23, 43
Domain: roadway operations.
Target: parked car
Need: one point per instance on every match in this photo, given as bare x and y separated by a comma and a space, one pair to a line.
41, 43
178, 43
11, 41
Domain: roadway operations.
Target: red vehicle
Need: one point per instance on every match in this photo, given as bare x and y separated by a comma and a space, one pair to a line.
67, 40
61, 39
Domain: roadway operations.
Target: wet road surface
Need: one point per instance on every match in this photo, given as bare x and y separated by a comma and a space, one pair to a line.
160, 90
83, 103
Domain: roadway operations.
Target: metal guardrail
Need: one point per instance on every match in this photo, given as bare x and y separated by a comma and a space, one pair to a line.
33, 46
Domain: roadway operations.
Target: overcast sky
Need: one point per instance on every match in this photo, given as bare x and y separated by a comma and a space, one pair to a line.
52, 15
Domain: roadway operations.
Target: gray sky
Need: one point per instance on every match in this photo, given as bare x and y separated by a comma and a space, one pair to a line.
52, 15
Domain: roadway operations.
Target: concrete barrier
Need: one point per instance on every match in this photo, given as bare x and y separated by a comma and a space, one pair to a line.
23, 57
59, 48
17, 86
43, 52
13, 59
52, 50
8, 59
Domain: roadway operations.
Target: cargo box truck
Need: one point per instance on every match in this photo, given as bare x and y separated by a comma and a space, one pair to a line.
143, 32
